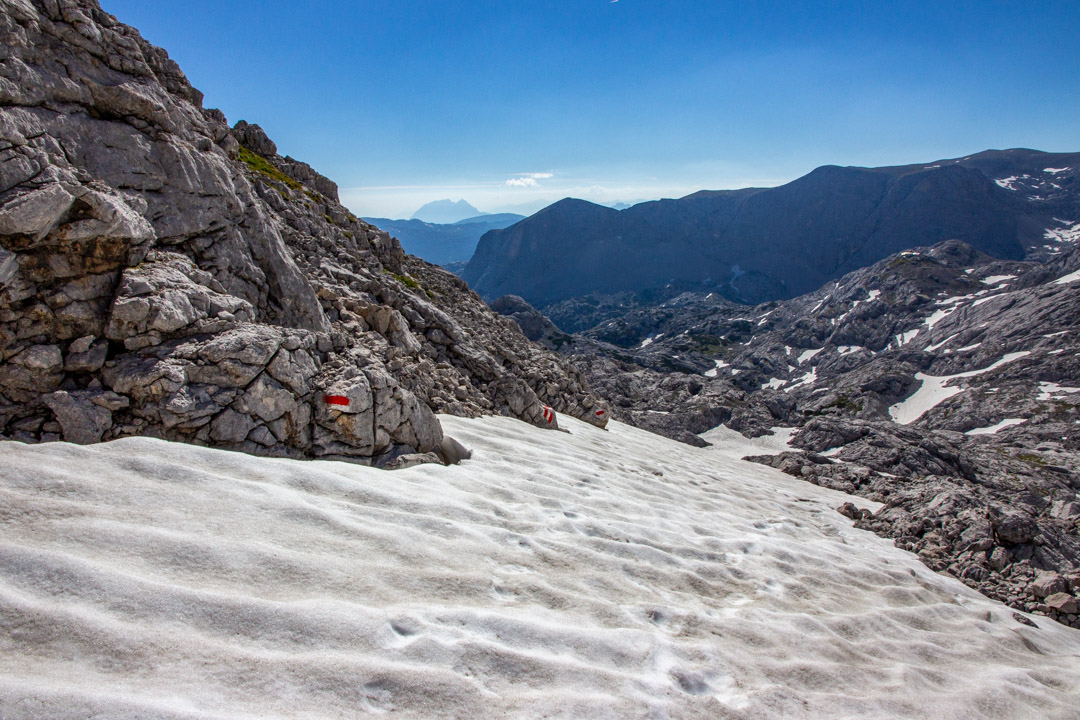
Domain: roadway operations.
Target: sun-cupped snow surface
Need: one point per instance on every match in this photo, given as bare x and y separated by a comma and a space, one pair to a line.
934, 390
584, 575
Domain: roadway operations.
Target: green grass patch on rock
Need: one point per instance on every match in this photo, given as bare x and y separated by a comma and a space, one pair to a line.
263, 166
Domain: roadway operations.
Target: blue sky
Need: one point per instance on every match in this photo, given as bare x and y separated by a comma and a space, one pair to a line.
509, 102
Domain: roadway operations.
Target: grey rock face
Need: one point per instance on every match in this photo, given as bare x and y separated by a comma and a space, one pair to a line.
531, 321
164, 274
253, 138
85, 415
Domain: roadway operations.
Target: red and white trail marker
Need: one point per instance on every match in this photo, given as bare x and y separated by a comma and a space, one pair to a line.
549, 415
336, 400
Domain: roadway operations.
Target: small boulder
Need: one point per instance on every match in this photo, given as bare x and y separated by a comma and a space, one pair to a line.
451, 452
1012, 529
409, 460
998, 559
82, 420
1047, 584
1062, 602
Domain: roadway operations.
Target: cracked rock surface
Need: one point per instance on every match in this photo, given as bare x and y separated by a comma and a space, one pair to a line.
164, 274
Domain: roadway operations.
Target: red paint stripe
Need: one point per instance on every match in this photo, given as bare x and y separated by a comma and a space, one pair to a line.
599, 413
335, 399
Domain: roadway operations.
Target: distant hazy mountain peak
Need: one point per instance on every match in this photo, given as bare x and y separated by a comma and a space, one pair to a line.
446, 211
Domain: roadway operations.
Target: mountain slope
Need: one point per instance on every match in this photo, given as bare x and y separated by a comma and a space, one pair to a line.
445, 212
149, 579
940, 380
164, 274
754, 245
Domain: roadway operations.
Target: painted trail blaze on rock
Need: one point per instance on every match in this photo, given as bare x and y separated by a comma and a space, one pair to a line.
549, 415
335, 400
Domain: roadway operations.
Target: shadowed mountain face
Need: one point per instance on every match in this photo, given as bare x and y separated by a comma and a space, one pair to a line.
754, 245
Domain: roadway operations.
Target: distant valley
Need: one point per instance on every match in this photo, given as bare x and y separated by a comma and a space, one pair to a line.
444, 243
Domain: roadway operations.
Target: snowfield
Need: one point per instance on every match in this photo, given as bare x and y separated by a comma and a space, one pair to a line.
585, 575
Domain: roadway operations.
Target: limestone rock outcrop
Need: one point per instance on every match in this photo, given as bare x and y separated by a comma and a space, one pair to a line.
164, 274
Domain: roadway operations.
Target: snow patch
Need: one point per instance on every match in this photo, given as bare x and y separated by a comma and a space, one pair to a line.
807, 379
650, 340
1047, 390
713, 371
1071, 277
955, 299
936, 317
873, 295
808, 355
993, 429
943, 343
1068, 233
1055, 171
980, 301
934, 390
995, 279
904, 338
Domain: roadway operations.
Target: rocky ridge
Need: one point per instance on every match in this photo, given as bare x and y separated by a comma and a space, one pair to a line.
164, 274
754, 245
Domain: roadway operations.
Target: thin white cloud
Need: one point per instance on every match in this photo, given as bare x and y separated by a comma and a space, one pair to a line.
528, 180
